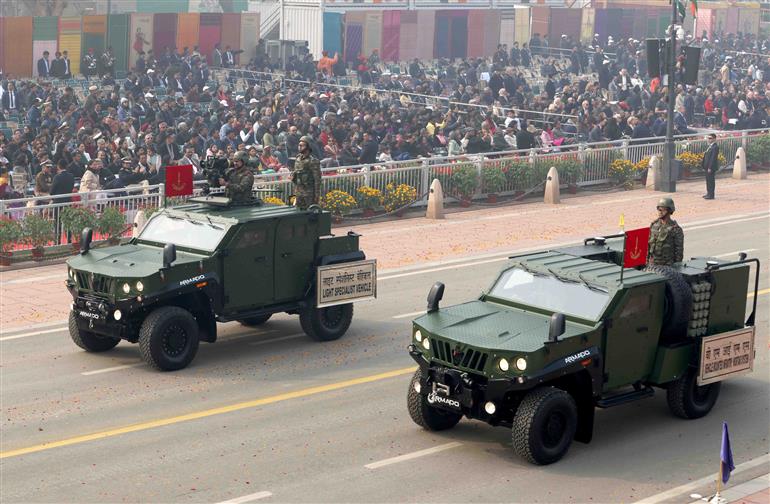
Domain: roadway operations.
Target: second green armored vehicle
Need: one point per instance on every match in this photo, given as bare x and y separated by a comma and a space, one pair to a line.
562, 332
211, 261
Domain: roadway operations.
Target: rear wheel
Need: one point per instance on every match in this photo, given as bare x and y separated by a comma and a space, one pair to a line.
544, 425
688, 400
326, 324
168, 339
255, 321
89, 341
425, 415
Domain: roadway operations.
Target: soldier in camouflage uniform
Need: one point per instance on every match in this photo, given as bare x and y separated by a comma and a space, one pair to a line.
240, 180
306, 176
666, 244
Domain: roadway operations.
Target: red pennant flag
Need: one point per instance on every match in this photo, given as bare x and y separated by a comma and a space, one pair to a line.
179, 180
636, 247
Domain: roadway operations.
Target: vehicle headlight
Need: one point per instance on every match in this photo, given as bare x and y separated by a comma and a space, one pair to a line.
126, 288
521, 364
418, 336
139, 286
503, 365
118, 315
426, 344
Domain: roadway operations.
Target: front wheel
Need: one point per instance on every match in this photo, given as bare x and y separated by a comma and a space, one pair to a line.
688, 400
326, 324
168, 339
89, 341
425, 415
544, 425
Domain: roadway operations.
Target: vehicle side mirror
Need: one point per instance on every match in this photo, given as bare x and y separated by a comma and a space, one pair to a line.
85, 240
434, 296
556, 327
169, 255
742, 256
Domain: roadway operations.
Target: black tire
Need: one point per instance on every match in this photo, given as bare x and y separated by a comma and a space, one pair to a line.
678, 306
326, 324
544, 425
255, 321
89, 341
687, 400
168, 339
425, 415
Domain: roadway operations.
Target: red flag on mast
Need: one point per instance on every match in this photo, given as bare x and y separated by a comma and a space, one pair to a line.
179, 180
636, 247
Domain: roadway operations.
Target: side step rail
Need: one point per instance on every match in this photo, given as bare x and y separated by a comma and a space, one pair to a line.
625, 397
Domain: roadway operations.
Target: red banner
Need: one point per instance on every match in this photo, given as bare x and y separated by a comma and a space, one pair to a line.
636, 247
179, 180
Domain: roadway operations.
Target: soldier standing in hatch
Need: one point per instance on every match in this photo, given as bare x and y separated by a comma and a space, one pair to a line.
306, 176
666, 245
240, 180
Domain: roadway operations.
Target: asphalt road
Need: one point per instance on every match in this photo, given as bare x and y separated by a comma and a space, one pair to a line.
269, 414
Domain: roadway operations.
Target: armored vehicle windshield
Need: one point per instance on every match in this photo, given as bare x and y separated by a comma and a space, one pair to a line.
183, 232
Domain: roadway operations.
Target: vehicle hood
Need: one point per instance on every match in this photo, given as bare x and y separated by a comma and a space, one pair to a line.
127, 261
491, 326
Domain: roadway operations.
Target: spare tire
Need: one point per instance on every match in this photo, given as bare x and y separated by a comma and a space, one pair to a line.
678, 302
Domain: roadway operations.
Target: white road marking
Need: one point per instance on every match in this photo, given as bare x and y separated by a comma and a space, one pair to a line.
35, 279
110, 369
26, 335
413, 455
248, 498
407, 315
707, 480
453, 266
275, 340
705, 226
735, 254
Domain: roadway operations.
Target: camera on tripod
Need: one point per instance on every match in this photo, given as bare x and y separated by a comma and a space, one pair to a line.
214, 168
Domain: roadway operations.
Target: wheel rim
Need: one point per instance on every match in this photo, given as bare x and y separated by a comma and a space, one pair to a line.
331, 317
174, 340
553, 429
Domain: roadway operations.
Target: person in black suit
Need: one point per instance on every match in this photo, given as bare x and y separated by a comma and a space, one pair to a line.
10, 100
67, 65
43, 65
169, 152
57, 67
63, 183
710, 166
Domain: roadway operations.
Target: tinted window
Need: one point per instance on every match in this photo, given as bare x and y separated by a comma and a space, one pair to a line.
183, 232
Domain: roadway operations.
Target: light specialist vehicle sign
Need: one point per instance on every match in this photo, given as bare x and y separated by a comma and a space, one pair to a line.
726, 355
343, 283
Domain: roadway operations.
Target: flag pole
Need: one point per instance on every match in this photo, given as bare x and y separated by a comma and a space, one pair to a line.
623, 259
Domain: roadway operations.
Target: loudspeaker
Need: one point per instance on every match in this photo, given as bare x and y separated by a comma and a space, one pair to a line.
653, 58
691, 65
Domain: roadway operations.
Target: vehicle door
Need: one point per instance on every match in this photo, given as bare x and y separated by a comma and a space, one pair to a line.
296, 238
248, 266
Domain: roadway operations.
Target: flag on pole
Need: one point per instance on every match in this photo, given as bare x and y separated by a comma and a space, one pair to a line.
726, 456
680, 7
694, 7
622, 222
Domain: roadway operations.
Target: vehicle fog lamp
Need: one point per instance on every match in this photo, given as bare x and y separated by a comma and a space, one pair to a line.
503, 365
418, 336
521, 364
417, 387
139, 286
426, 344
118, 315
490, 408
126, 288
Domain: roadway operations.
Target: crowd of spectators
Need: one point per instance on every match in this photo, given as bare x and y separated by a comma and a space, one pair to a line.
173, 109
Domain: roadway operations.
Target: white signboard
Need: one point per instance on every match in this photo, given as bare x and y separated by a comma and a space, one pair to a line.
726, 355
344, 283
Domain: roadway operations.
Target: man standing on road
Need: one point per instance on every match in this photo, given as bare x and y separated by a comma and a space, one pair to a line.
240, 181
666, 245
710, 165
306, 176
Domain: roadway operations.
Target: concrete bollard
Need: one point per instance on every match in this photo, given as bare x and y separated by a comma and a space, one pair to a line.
652, 171
552, 195
435, 201
739, 167
139, 221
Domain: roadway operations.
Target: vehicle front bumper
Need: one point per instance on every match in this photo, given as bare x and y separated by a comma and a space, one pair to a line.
96, 314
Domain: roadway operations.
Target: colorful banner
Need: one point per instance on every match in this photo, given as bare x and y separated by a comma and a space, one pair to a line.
372, 32
187, 31
70, 40
139, 36
249, 35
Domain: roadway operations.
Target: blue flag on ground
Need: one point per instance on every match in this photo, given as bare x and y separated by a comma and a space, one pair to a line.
726, 455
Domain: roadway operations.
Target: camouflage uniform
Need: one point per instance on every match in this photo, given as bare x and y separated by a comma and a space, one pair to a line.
666, 244
307, 181
240, 183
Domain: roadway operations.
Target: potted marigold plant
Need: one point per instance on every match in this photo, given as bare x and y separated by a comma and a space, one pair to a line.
111, 224
398, 197
10, 234
570, 171
465, 181
758, 152
76, 218
338, 202
38, 231
272, 200
516, 175
369, 199
690, 162
622, 173
492, 182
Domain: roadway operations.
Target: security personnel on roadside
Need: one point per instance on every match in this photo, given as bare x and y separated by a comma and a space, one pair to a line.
306, 176
666, 245
240, 180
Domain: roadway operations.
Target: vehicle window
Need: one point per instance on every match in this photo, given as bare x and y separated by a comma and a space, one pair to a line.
251, 237
183, 232
550, 293
637, 304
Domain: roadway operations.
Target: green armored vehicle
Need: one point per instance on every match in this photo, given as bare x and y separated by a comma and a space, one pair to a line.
562, 332
211, 261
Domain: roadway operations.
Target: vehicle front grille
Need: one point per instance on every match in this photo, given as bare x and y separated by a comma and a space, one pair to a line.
458, 357
95, 283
